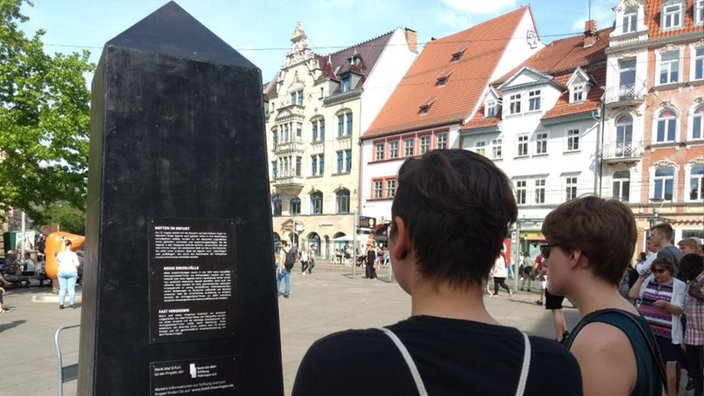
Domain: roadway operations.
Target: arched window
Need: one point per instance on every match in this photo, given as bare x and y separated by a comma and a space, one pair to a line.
667, 125
343, 201
698, 123
663, 183
295, 206
276, 204
696, 183
316, 203
624, 135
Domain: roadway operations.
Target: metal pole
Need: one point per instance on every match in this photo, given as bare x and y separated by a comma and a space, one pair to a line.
517, 254
21, 257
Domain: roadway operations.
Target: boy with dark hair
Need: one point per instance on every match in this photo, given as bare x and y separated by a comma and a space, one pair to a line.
590, 242
450, 215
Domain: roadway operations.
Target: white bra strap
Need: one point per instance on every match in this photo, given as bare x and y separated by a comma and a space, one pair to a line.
409, 361
526, 366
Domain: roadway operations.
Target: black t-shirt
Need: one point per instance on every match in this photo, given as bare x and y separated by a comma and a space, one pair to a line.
454, 357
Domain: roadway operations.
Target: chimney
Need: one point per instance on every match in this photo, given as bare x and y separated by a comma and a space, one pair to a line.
412, 39
589, 33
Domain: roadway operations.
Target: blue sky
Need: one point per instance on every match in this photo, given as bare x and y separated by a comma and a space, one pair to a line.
260, 30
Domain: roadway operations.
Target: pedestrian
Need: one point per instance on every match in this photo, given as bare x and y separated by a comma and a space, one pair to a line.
371, 263
692, 266
67, 273
589, 244
311, 260
304, 261
287, 258
661, 237
527, 273
689, 246
540, 272
3, 309
450, 214
499, 274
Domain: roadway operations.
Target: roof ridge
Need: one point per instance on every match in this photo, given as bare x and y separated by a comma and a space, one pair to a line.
492, 20
363, 42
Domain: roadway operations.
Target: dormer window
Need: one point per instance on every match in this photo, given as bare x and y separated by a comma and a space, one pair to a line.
671, 15
442, 80
457, 55
630, 19
425, 106
578, 93
490, 108
346, 86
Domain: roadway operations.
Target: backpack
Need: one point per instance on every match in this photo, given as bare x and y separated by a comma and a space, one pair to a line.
290, 258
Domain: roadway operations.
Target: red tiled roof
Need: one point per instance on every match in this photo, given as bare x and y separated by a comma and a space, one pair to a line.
369, 51
653, 14
563, 107
565, 55
485, 44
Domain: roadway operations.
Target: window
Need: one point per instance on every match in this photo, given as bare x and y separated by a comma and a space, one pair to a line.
570, 188
317, 164
299, 165
621, 185
627, 80
539, 191
696, 183
378, 189
340, 161
299, 98
318, 130
393, 149
521, 191
424, 144
346, 83
274, 170
379, 151
342, 200
340, 125
572, 139
667, 124
296, 206
541, 143
321, 126
523, 146
669, 67
390, 188
699, 12
314, 135
275, 138
663, 183
490, 108
348, 117
630, 16
698, 123
344, 161
442, 141
698, 60
316, 203
496, 149
348, 160
578, 94
480, 148
534, 100
671, 16
409, 146
276, 204
514, 104
624, 136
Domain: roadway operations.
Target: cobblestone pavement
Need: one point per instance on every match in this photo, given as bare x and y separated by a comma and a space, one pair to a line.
333, 298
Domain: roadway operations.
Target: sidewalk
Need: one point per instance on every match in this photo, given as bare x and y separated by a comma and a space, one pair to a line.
326, 301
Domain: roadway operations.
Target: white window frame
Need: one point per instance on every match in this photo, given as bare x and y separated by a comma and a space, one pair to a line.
441, 141
522, 146
578, 93
696, 118
379, 148
688, 183
514, 104
698, 16
521, 191
696, 54
497, 149
663, 179
669, 66
424, 144
541, 143
393, 149
490, 108
666, 122
572, 140
571, 187
672, 16
629, 20
409, 146
378, 189
620, 182
539, 191
480, 147
535, 100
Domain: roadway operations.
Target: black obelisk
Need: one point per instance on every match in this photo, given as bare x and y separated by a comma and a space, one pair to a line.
178, 293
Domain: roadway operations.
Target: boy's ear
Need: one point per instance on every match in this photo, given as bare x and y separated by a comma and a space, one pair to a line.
402, 242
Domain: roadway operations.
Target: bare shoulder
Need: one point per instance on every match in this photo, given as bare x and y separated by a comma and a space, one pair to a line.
606, 360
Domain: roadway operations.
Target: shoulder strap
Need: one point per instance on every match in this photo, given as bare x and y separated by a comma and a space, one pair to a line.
526, 365
409, 361
602, 316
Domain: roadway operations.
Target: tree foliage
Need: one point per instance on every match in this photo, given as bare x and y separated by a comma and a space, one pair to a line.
44, 120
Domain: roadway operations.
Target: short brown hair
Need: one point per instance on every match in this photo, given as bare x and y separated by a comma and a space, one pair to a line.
666, 230
690, 243
604, 229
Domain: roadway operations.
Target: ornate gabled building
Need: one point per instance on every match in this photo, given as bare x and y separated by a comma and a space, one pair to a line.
440, 92
316, 107
653, 154
540, 124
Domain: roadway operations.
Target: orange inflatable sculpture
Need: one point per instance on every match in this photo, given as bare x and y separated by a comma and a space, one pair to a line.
53, 246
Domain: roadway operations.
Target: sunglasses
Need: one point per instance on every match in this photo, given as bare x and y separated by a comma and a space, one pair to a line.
545, 250
659, 270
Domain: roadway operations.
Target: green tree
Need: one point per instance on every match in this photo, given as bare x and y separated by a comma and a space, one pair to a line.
70, 219
44, 120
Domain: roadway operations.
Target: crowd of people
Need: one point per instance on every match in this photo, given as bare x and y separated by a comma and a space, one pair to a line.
630, 327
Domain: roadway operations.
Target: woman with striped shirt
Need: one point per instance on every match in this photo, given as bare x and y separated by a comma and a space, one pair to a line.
661, 304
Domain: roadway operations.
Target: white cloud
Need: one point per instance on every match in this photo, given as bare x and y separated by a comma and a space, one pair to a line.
481, 6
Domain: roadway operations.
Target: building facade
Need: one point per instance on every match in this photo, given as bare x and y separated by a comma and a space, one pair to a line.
653, 155
441, 91
315, 110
